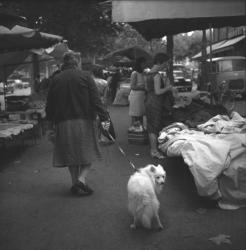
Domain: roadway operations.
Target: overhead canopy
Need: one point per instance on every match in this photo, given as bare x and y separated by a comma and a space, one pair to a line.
118, 61
22, 38
10, 61
155, 19
11, 58
56, 51
132, 53
126, 56
222, 46
9, 19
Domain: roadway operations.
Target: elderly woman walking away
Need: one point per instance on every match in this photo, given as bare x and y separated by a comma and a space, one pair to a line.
158, 102
137, 94
73, 103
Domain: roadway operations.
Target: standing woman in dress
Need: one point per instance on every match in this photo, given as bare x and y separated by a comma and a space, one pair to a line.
158, 92
137, 93
73, 103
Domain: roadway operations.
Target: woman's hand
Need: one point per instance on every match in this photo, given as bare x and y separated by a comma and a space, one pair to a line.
169, 87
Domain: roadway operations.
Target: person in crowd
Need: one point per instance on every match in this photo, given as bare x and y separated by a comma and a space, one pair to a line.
100, 82
37, 83
137, 95
113, 84
159, 90
102, 88
72, 105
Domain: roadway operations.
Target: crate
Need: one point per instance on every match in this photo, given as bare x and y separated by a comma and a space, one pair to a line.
138, 138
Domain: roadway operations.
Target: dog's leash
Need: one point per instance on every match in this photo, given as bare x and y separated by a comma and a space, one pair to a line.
122, 151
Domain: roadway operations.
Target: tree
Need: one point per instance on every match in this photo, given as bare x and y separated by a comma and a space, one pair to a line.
186, 45
85, 25
127, 37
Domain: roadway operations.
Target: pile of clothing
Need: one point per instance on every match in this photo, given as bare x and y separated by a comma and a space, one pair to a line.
197, 112
215, 153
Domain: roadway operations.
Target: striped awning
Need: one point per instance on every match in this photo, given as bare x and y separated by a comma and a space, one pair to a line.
222, 46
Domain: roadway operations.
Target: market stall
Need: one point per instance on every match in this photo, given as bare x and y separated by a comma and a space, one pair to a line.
12, 131
214, 150
21, 64
215, 153
155, 19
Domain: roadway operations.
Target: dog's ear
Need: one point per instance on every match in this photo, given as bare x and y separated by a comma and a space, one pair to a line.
152, 169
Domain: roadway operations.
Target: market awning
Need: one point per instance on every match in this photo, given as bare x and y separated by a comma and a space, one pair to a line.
222, 46
22, 38
131, 53
9, 19
229, 43
10, 61
56, 51
155, 19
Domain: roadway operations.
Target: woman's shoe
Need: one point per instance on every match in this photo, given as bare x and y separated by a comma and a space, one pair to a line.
80, 189
156, 154
85, 187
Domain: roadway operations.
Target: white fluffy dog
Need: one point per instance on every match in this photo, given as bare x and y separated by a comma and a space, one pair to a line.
143, 187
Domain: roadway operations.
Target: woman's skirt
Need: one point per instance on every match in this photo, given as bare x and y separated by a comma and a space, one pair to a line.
76, 143
136, 103
154, 113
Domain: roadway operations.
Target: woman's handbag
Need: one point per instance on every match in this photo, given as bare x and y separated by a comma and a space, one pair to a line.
106, 133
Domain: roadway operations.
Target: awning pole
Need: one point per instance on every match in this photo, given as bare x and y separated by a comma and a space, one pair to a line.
204, 73
4, 90
35, 70
210, 45
210, 61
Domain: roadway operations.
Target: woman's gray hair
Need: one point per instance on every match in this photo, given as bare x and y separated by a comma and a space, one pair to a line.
69, 58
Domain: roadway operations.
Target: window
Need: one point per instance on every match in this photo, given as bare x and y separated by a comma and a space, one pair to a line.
225, 65
239, 65
232, 65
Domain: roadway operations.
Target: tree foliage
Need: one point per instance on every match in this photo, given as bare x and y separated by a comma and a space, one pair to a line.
187, 45
85, 25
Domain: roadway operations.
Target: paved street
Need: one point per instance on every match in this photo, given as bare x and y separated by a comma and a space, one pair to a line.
39, 213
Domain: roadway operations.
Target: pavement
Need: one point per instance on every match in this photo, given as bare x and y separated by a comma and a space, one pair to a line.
37, 211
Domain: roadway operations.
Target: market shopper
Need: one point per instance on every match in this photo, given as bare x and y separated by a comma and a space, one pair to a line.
137, 94
113, 84
72, 105
159, 93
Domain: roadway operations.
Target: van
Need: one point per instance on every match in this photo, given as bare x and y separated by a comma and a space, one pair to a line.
231, 71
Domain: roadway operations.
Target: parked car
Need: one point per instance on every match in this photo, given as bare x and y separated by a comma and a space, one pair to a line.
6, 88
182, 80
230, 70
20, 84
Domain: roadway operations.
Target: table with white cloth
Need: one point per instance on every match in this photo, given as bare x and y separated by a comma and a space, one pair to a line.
12, 131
